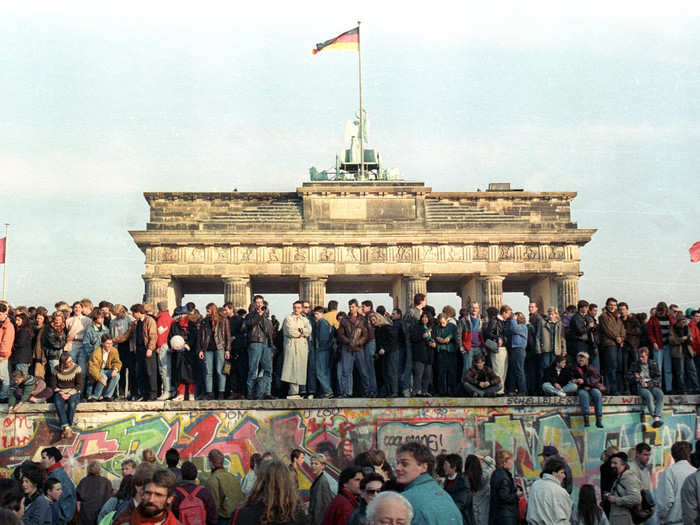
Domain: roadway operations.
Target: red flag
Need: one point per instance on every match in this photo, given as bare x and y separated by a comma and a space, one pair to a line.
695, 252
3, 243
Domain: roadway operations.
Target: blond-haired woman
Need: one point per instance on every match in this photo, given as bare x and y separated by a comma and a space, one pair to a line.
503, 507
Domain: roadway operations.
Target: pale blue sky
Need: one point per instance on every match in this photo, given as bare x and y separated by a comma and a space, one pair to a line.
99, 106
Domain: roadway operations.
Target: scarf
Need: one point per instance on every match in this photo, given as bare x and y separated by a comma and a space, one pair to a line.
183, 321
164, 518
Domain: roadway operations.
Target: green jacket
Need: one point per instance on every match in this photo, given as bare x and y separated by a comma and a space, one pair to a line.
447, 331
226, 490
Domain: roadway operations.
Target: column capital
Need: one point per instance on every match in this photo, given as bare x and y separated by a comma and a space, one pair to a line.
493, 277
154, 278
567, 276
235, 278
314, 278
417, 276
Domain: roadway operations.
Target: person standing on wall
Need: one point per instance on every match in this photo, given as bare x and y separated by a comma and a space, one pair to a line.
260, 336
296, 329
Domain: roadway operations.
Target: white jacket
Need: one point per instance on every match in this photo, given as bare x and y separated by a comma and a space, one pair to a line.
549, 503
668, 492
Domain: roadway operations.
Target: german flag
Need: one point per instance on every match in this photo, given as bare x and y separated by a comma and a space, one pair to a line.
348, 40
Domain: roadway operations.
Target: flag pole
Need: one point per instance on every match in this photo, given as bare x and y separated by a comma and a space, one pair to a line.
4, 266
362, 131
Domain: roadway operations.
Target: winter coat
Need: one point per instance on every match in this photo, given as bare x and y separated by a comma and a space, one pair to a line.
95, 364
431, 504
422, 353
590, 375
449, 330
163, 322
503, 506
321, 496
296, 329
221, 334
37, 510
553, 338
384, 336
636, 368
578, 336
679, 348
536, 328
252, 514
258, 328
348, 326
226, 491
611, 326
323, 335
93, 492
92, 337
474, 376
22, 351
494, 331
7, 338
516, 333
548, 503
463, 497
203, 494
465, 327
340, 508
238, 339
38, 356
67, 501
626, 490
668, 491
690, 499
149, 333
654, 330
633, 331
184, 361
553, 374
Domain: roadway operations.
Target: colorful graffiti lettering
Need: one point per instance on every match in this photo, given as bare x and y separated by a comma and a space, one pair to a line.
341, 433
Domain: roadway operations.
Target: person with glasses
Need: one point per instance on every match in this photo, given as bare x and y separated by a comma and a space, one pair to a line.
370, 487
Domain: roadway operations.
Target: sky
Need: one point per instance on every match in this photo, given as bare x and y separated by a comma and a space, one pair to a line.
101, 104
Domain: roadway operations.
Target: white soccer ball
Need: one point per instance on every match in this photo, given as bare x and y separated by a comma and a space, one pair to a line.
177, 342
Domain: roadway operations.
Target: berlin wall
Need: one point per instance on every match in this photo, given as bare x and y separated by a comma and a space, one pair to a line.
341, 429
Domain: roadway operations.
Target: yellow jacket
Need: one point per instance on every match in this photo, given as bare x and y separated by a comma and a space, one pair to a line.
95, 364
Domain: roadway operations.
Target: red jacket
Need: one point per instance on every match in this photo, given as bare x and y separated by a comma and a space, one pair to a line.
694, 331
340, 508
654, 330
136, 518
7, 339
163, 323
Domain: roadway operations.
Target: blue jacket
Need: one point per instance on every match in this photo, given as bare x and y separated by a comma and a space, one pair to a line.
431, 504
517, 333
323, 335
92, 338
67, 502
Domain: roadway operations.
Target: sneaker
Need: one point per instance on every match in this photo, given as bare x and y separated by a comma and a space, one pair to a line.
179, 397
561, 393
657, 422
310, 396
294, 396
163, 397
329, 395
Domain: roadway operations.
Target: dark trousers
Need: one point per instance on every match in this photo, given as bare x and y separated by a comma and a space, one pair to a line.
480, 392
447, 366
609, 357
147, 373
516, 371
533, 374
126, 356
684, 374
626, 356
390, 371
422, 377
238, 377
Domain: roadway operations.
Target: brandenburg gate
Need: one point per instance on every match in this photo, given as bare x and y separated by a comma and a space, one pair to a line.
363, 237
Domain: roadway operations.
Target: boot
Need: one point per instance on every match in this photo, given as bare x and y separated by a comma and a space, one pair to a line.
220, 395
599, 421
586, 422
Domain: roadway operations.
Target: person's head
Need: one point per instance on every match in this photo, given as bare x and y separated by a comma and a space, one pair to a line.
350, 479
412, 460
452, 465
162, 306
296, 456
681, 450
158, 493
148, 456
367, 307
106, 341
611, 304
426, 319
216, 459
318, 313
297, 307
556, 467
553, 314
532, 308
419, 300
30, 478
474, 309
520, 318
128, 467
138, 311
120, 311
479, 362
449, 311
618, 462
644, 355
560, 361
389, 507
254, 460
94, 468
623, 308
50, 455
4, 310
506, 311
276, 492
172, 458
371, 485
582, 358
97, 317
491, 312
142, 476
65, 361
127, 488
642, 453
353, 307
318, 464
582, 307
106, 308
11, 495
504, 459
189, 471
22, 322
77, 309
332, 305
53, 489
396, 314
592, 309
191, 307
305, 307
39, 319
442, 319
212, 310
18, 376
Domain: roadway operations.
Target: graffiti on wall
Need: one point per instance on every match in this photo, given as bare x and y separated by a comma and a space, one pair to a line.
341, 433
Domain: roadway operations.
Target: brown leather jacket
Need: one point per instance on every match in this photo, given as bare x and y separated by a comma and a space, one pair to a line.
353, 331
150, 333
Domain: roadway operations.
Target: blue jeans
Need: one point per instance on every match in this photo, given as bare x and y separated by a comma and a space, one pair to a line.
259, 354
662, 356
5, 378
690, 373
406, 367
516, 371
323, 371
569, 388
349, 360
165, 369
610, 368
215, 362
370, 350
654, 399
80, 357
112, 383
684, 374
66, 409
585, 397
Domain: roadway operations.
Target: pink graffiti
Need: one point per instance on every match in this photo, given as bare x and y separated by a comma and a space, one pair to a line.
170, 440
94, 443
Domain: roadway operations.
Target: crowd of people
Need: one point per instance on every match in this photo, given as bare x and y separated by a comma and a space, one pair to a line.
422, 489
100, 353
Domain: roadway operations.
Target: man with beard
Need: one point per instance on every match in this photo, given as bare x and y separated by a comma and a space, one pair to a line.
154, 508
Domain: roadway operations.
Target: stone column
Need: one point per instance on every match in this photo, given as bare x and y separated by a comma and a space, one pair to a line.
237, 290
156, 290
540, 292
414, 284
313, 289
174, 294
469, 290
398, 292
567, 293
492, 291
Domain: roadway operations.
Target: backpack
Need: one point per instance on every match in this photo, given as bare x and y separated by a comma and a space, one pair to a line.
191, 510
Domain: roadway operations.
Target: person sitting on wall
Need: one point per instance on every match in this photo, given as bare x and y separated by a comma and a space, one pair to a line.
644, 379
26, 388
590, 388
558, 378
103, 369
480, 380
